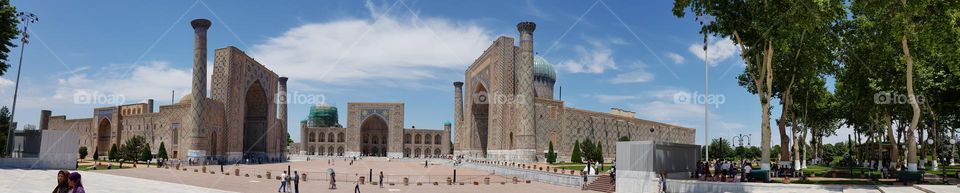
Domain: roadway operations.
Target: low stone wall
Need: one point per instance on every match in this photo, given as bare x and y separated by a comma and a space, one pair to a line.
703, 186
539, 176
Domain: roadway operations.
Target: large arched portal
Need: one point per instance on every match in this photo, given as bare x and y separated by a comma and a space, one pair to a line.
373, 127
481, 114
255, 121
103, 137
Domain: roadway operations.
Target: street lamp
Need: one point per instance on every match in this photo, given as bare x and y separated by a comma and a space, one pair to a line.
25, 18
739, 138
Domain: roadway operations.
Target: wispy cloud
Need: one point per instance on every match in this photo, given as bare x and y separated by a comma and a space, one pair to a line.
719, 50
606, 98
676, 58
594, 59
384, 47
637, 74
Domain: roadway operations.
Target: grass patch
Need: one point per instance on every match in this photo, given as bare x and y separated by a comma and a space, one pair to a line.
102, 167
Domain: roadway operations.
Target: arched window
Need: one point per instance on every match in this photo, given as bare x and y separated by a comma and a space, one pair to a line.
313, 138
330, 151
311, 150
375, 139
436, 151
416, 153
426, 139
340, 149
330, 137
416, 140
321, 151
406, 152
436, 139
340, 138
365, 138
323, 137
406, 139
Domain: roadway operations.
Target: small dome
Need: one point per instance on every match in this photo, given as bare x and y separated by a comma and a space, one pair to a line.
543, 69
186, 98
447, 123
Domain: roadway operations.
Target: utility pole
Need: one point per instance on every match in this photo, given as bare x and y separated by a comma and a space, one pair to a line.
25, 18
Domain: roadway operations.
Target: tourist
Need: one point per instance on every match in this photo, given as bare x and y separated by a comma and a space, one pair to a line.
62, 186
724, 170
584, 185
73, 180
663, 181
424, 163
109, 165
717, 171
356, 185
296, 182
333, 180
746, 172
613, 174
381, 179
283, 182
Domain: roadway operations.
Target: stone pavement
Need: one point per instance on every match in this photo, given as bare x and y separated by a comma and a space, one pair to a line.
43, 181
899, 189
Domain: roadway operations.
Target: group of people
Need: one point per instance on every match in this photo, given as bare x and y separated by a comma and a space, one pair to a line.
68, 182
286, 181
723, 170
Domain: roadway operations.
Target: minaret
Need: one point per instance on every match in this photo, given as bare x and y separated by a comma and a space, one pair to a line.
526, 142
458, 113
283, 112
199, 89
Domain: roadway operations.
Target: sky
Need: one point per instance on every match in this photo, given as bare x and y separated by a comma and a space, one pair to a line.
634, 55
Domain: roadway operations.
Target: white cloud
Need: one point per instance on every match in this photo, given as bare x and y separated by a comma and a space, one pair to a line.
719, 50
604, 98
5, 83
595, 60
382, 48
153, 80
677, 58
637, 75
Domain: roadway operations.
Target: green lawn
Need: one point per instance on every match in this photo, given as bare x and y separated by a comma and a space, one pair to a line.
103, 167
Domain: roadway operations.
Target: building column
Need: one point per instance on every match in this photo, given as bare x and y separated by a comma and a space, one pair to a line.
283, 115
199, 90
458, 115
525, 149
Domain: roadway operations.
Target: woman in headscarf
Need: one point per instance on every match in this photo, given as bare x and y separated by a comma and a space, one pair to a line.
74, 181
62, 186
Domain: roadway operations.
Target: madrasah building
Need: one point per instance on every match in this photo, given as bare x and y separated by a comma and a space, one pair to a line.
504, 110
240, 118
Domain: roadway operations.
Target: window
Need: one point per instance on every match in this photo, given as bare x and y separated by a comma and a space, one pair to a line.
313, 138
416, 140
406, 139
322, 137
436, 140
330, 138
340, 139
426, 139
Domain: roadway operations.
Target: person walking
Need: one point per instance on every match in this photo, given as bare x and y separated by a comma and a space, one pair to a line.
333, 180
356, 185
62, 185
613, 174
584, 175
74, 182
296, 182
381, 179
283, 182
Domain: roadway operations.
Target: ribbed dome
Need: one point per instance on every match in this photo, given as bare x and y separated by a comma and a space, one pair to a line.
186, 98
543, 69
322, 115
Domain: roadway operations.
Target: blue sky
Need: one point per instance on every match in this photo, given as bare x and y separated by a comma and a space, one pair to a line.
628, 54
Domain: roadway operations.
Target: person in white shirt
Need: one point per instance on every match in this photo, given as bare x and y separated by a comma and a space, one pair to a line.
746, 171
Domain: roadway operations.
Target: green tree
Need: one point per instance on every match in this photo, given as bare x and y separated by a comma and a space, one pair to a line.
757, 27
113, 154
8, 32
83, 152
162, 153
4, 128
624, 138
721, 149
587, 147
96, 154
145, 155
575, 155
551, 156
598, 153
132, 147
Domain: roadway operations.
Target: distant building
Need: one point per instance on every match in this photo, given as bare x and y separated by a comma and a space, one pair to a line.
508, 112
373, 129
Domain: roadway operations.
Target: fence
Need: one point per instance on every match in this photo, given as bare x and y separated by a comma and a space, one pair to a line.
540, 176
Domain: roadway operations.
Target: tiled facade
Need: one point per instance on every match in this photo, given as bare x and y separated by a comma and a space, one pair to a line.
374, 129
239, 120
500, 120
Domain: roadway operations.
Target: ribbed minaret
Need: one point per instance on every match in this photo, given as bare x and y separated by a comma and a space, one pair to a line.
526, 142
458, 113
283, 111
199, 89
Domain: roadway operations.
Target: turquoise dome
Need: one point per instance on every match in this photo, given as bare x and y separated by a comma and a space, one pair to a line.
322, 115
543, 69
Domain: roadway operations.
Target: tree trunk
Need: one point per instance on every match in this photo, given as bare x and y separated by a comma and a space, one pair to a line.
895, 152
796, 140
762, 80
911, 144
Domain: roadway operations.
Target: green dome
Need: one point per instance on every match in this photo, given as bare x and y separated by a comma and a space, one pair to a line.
543, 69
446, 123
322, 115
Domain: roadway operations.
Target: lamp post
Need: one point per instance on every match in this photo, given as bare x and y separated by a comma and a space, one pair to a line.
933, 165
739, 138
25, 18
